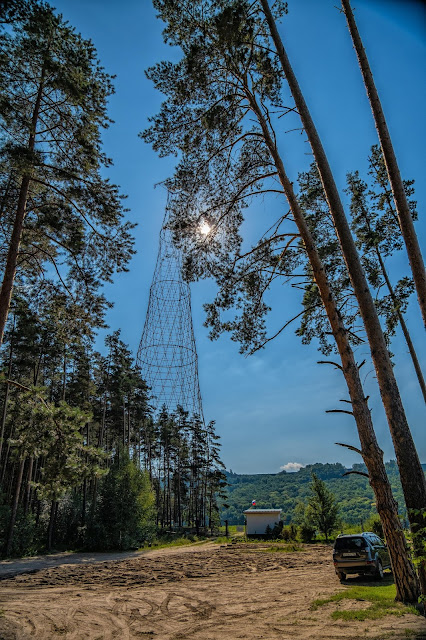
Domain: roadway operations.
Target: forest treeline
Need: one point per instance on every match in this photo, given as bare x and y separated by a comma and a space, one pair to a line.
286, 491
84, 460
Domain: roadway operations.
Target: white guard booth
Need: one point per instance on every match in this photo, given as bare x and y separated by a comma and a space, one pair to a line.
259, 519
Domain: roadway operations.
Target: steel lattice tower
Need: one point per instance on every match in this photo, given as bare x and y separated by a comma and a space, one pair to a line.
167, 354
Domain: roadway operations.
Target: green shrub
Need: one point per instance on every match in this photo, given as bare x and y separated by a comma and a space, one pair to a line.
124, 516
306, 532
289, 532
277, 530
374, 524
68, 531
25, 539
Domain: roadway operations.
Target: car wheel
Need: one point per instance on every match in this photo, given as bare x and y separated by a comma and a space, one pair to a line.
341, 576
379, 571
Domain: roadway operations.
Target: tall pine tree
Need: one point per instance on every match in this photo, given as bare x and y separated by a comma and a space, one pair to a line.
58, 213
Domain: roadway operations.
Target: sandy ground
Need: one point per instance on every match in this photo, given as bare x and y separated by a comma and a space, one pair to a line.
15, 566
204, 592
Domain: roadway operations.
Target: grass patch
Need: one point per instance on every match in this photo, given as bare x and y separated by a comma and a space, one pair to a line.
232, 528
161, 544
222, 540
382, 599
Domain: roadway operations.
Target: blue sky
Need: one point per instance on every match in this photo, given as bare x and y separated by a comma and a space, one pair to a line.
270, 408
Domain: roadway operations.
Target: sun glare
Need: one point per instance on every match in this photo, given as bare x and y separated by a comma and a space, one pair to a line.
205, 228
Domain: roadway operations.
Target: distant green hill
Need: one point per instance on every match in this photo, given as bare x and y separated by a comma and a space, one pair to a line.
284, 490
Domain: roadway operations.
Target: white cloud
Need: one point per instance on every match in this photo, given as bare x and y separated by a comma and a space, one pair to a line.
292, 466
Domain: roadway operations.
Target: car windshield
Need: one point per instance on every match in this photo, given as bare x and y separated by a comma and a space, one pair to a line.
350, 543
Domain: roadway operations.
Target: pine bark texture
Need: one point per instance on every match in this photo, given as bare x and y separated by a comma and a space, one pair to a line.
6, 395
18, 225
14, 507
51, 527
28, 485
404, 574
411, 472
12, 255
404, 216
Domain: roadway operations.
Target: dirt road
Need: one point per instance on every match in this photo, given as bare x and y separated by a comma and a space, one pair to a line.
207, 592
15, 566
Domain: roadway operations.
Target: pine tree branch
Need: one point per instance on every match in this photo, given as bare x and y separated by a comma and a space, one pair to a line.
265, 243
280, 330
68, 199
335, 364
349, 446
358, 473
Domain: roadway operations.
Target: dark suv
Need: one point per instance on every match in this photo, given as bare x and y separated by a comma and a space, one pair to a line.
363, 553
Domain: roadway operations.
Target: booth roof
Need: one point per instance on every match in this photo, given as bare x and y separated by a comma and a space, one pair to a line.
262, 511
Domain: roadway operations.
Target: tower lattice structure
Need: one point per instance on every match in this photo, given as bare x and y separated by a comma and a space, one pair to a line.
167, 354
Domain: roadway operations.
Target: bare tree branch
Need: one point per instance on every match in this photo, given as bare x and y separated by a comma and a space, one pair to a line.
335, 364
349, 446
358, 473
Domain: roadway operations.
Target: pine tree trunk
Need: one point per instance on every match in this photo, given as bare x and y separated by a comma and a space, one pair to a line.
169, 493
6, 393
404, 216
11, 477
18, 225
14, 507
405, 581
102, 428
38, 513
12, 255
64, 374
3, 419
52, 519
28, 485
84, 496
178, 497
124, 424
33, 494
94, 498
128, 430
411, 472
83, 503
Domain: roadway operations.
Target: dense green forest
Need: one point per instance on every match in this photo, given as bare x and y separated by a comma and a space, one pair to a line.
286, 490
82, 453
